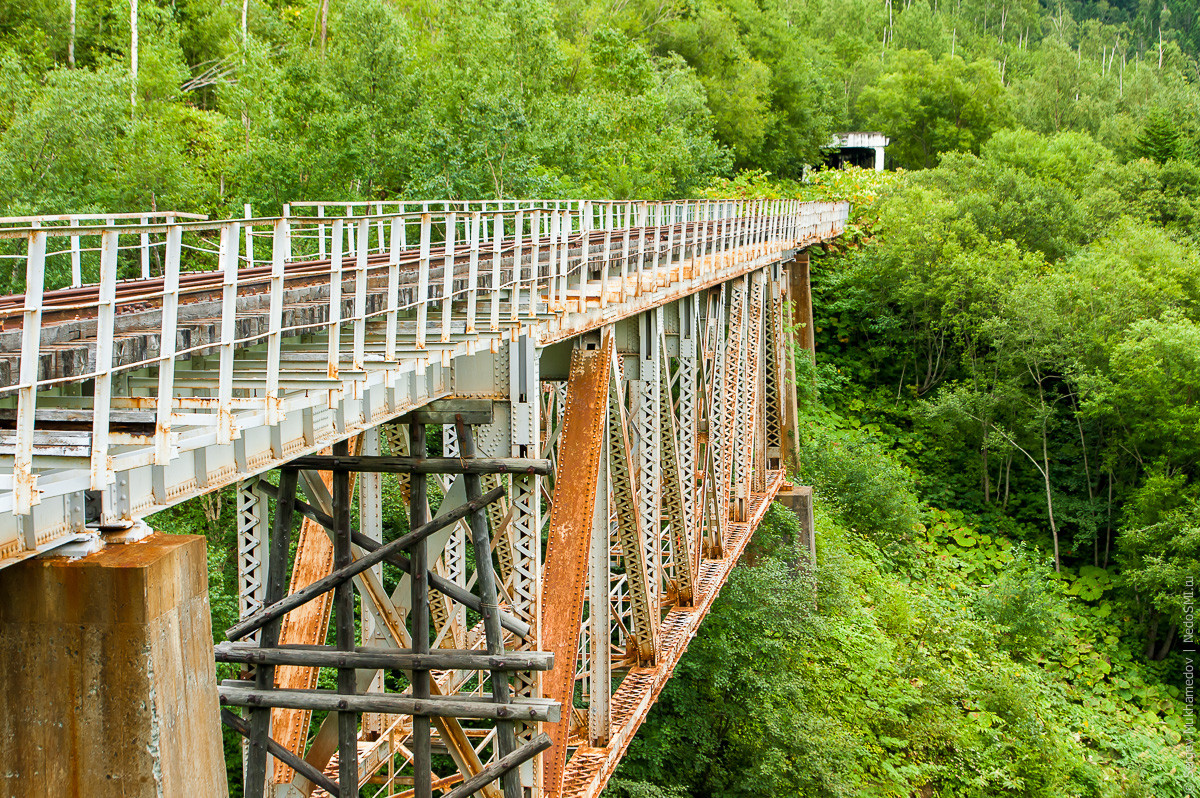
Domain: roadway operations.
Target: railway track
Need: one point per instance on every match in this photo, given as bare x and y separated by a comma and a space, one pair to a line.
74, 304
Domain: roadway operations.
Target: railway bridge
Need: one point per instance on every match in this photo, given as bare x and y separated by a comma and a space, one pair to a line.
586, 408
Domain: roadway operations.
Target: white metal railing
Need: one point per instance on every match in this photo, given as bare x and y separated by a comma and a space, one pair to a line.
76, 248
439, 269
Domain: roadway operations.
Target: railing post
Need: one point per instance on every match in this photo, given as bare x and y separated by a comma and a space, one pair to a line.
166, 347
145, 248
249, 235
696, 237
535, 231
722, 227
625, 256
101, 471
553, 223
321, 232
287, 238
423, 278
448, 273
393, 289
606, 220
743, 228
641, 250
671, 241
657, 277
565, 226
76, 271
517, 270
497, 242
335, 297
379, 227
279, 239
473, 271
229, 270
24, 482
360, 293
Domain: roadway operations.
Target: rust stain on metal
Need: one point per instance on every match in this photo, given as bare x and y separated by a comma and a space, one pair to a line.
564, 579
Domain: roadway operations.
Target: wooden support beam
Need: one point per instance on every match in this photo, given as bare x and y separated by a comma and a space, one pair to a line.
418, 554
239, 694
344, 622
374, 658
500, 767
426, 465
340, 575
438, 583
481, 541
279, 752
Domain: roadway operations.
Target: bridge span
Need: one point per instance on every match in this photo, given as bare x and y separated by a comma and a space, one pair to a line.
613, 385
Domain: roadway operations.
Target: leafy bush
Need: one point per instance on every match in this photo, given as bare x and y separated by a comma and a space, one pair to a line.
873, 493
1024, 606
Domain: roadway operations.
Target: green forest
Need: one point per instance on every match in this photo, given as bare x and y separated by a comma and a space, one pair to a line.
1002, 426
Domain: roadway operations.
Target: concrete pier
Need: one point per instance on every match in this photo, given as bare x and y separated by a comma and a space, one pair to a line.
799, 499
107, 682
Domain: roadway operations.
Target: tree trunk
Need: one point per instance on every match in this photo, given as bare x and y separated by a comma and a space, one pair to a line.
987, 477
133, 53
210, 504
1087, 473
71, 40
324, 25
1007, 480
1050, 498
1151, 637
1108, 533
1165, 648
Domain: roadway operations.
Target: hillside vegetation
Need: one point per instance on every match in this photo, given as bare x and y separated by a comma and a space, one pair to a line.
266, 102
1001, 430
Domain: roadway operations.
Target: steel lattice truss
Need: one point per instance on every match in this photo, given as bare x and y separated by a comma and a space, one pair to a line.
614, 388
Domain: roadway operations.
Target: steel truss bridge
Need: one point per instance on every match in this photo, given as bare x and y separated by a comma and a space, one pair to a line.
614, 386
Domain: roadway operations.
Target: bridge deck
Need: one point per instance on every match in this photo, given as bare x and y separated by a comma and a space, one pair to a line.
150, 391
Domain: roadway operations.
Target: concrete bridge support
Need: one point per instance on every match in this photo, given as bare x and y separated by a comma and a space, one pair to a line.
108, 685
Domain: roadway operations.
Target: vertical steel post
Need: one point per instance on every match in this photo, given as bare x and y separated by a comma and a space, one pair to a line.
264, 675
448, 275
360, 294
166, 347
599, 609
422, 298
392, 317
275, 321
101, 467
473, 271
370, 511
24, 482
497, 249
229, 287
335, 298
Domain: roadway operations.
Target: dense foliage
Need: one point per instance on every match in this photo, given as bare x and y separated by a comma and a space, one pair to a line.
265, 102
